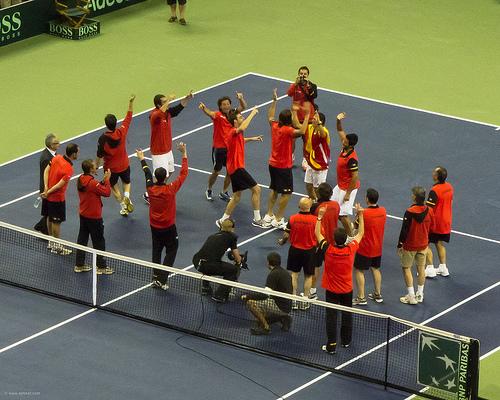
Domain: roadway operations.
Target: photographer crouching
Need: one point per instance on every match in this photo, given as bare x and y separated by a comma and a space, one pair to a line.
208, 260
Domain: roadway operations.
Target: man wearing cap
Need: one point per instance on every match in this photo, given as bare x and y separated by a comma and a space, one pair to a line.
208, 260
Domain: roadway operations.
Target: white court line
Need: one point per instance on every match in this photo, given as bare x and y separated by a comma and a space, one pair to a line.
135, 115
386, 102
395, 338
8, 203
83, 314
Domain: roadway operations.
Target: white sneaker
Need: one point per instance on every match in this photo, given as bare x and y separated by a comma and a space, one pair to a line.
443, 270
281, 224
408, 300
430, 271
261, 224
124, 209
268, 219
419, 297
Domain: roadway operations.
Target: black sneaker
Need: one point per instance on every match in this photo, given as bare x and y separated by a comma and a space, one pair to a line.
218, 299
182, 21
105, 271
376, 297
172, 19
225, 196
286, 322
159, 285
208, 195
259, 330
330, 348
346, 345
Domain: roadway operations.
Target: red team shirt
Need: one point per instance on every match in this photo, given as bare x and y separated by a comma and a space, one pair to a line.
162, 202
441, 200
235, 151
281, 147
90, 196
116, 158
298, 96
301, 227
317, 149
161, 132
330, 219
347, 163
61, 167
417, 223
373, 239
221, 126
339, 261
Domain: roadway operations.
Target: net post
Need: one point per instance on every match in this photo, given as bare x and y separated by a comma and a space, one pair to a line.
387, 338
94, 278
474, 372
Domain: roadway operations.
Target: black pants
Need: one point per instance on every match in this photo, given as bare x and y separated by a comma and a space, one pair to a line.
344, 299
95, 229
164, 239
227, 270
41, 226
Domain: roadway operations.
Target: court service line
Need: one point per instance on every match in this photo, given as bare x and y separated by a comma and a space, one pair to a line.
135, 115
83, 314
8, 203
305, 195
387, 103
472, 297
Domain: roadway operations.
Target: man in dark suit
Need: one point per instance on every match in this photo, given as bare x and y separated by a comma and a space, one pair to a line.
51, 146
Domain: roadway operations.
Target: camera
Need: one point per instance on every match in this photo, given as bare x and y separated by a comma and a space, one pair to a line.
244, 259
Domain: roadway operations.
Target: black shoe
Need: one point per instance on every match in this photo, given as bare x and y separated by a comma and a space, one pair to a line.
182, 21
286, 322
346, 345
259, 330
218, 299
172, 19
330, 348
159, 285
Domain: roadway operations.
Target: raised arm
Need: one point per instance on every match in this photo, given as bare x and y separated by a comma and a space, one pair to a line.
361, 223
271, 112
165, 106
176, 185
187, 99
243, 104
303, 127
340, 130
147, 172
207, 111
244, 125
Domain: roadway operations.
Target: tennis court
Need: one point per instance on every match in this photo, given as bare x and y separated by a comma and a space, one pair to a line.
398, 146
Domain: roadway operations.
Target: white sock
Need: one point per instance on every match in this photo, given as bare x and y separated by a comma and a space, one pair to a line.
430, 266
312, 290
126, 194
256, 215
420, 289
442, 265
411, 291
225, 216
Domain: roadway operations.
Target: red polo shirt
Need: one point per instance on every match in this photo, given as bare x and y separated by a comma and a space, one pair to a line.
441, 201
373, 239
61, 167
301, 227
347, 163
235, 151
113, 147
221, 127
330, 219
300, 97
339, 261
90, 191
281, 146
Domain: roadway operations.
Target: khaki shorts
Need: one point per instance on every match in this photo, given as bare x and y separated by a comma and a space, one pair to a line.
407, 258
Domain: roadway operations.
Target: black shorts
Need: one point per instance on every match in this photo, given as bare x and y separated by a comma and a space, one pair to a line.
172, 2
45, 209
439, 237
56, 211
365, 263
241, 180
124, 176
219, 157
281, 180
301, 259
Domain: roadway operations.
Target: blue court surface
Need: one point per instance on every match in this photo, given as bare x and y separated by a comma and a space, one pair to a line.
54, 349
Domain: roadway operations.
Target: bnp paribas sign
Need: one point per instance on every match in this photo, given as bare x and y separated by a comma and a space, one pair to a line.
98, 7
445, 366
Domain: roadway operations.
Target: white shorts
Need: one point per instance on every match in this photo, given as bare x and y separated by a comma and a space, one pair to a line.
164, 160
345, 207
314, 176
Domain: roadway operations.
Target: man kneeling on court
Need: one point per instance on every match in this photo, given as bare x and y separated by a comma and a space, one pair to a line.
209, 262
270, 309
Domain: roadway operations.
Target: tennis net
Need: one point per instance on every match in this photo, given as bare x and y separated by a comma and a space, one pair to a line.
384, 349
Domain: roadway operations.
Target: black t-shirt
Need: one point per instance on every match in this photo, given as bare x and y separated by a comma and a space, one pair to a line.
216, 245
281, 281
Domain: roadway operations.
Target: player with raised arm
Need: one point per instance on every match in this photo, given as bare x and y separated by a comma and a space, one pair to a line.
280, 161
347, 175
112, 148
219, 147
240, 178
